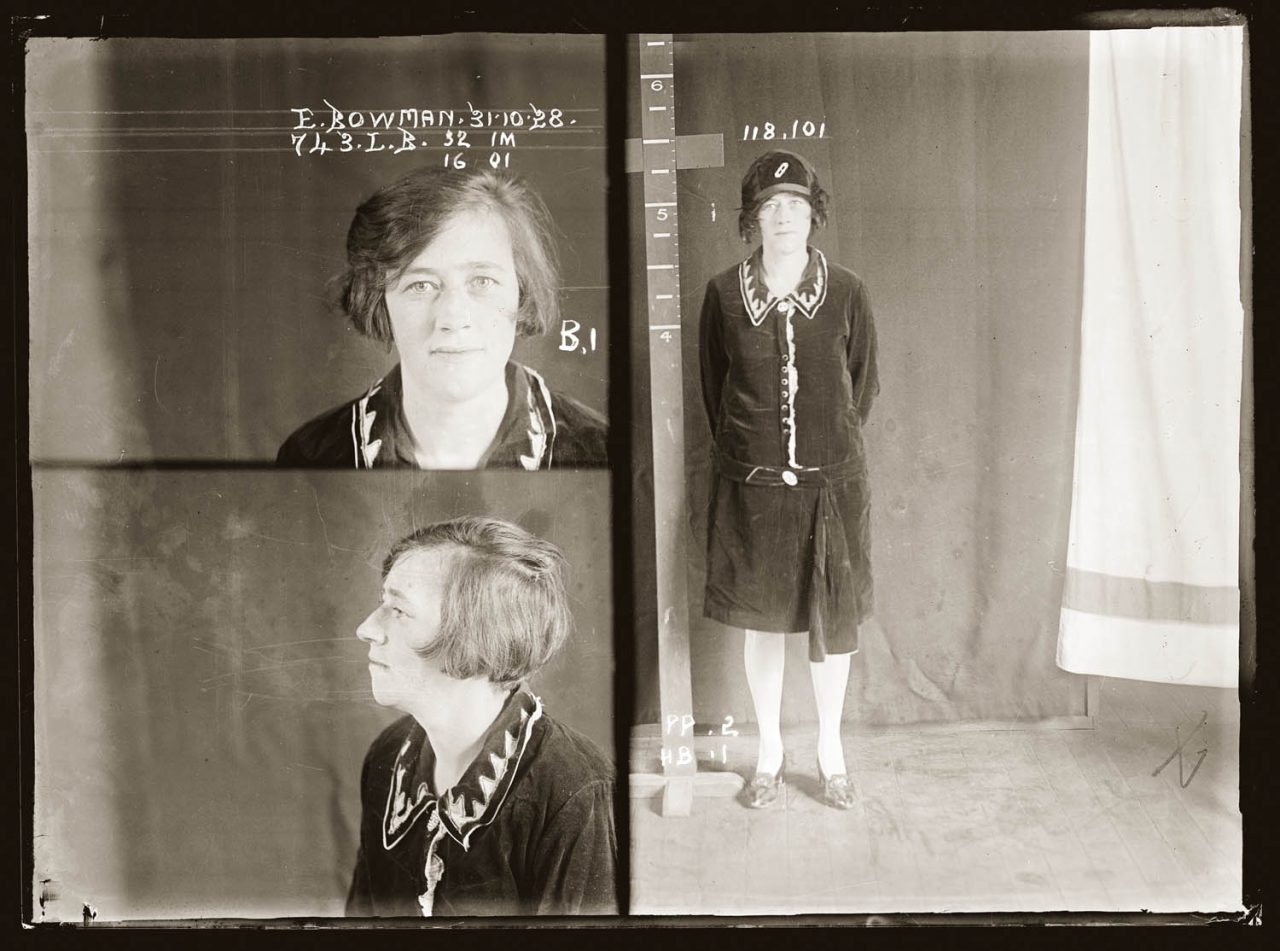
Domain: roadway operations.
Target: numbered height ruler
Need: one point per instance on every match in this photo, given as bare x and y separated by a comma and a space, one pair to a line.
666, 395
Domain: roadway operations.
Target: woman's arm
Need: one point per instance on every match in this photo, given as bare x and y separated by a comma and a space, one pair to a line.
711, 355
360, 894
578, 856
862, 353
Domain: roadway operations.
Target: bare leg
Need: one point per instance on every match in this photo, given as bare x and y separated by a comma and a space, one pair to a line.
830, 680
764, 655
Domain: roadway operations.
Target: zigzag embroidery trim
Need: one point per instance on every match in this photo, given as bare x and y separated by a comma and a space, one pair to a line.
759, 300
400, 813
810, 301
362, 429
750, 285
464, 817
541, 444
515, 742
537, 435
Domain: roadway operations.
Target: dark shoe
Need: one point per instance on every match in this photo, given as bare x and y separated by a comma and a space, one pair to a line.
763, 790
837, 791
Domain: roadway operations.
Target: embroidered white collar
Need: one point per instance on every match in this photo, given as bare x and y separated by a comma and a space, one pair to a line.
541, 417
473, 802
806, 298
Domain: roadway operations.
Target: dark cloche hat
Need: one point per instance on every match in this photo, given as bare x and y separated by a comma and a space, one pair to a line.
777, 171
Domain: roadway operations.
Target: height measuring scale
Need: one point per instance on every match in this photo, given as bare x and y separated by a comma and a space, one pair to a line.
680, 778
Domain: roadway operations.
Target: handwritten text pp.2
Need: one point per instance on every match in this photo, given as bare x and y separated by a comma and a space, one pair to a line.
677, 741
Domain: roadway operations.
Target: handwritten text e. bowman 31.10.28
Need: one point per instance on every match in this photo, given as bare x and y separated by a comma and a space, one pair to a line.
491, 133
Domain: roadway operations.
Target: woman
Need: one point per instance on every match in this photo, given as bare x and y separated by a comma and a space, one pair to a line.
477, 802
788, 355
451, 266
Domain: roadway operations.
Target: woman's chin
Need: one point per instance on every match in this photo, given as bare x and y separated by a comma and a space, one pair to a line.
786, 246
458, 378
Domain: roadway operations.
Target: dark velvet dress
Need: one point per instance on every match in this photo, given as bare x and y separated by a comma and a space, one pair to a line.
541, 429
787, 384
527, 830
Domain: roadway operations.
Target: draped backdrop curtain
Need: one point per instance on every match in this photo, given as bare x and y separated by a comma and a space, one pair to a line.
1152, 588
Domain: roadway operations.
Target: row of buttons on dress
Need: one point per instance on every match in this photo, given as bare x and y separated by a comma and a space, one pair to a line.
788, 476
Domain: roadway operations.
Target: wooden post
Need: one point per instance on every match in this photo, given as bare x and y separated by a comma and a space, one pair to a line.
680, 778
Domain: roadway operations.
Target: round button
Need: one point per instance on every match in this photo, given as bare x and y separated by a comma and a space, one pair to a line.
789, 477
784, 308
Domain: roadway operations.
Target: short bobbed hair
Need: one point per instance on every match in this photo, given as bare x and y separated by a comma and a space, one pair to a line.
755, 194
505, 610
392, 227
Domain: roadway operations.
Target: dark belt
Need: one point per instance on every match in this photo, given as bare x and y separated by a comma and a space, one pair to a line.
831, 589
820, 476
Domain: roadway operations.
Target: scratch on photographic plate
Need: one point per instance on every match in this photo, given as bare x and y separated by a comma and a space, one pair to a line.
155, 385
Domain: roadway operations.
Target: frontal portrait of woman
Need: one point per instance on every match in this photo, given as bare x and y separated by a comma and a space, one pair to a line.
449, 267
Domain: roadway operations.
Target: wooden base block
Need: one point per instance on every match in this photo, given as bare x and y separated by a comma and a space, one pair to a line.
678, 792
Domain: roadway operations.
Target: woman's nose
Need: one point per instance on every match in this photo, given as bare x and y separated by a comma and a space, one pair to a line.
453, 310
369, 631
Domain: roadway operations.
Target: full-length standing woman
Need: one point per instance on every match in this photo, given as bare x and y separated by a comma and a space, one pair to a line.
788, 357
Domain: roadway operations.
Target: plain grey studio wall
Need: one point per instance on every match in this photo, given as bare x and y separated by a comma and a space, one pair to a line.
180, 249
202, 704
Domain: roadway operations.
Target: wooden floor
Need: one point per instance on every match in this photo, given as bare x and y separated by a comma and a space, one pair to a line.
950, 820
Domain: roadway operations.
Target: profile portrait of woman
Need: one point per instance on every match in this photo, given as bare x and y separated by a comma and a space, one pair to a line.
477, 801
449, 267
787, 349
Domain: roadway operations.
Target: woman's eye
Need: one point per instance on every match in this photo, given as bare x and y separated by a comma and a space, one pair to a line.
421, 287
483, 282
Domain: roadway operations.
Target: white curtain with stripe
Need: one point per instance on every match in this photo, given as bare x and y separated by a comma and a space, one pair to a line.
1152, 590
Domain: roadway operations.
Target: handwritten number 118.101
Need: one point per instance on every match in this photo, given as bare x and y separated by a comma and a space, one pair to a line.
799, 129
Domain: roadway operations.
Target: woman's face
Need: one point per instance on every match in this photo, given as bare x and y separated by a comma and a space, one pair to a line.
405, 621
785, 222
453, 310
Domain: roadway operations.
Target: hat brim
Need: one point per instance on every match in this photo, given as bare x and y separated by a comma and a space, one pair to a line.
772, 190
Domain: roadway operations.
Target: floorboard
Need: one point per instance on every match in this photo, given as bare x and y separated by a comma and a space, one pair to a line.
972, 821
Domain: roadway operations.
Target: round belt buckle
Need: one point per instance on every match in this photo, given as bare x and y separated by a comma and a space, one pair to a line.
789, 477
